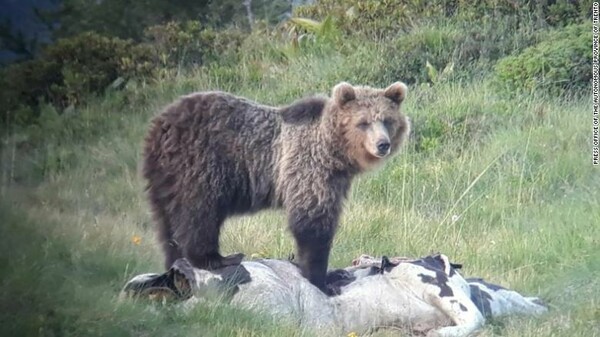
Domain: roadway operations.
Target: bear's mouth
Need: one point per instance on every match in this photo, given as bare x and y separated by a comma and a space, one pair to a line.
382, 155
377, 155
373, 158
370, 159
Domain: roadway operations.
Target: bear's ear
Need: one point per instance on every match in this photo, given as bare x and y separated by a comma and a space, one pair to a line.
304, 110
343, 93
396, 92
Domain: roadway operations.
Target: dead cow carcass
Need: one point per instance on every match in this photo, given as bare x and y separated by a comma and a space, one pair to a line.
425, 295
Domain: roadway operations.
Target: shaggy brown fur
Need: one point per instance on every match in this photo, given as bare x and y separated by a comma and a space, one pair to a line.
211, 155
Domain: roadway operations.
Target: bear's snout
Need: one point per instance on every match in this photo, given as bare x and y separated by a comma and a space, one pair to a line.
383, 148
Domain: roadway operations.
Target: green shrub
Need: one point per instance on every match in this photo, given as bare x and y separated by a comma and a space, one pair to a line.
409, 54
553, 12
559, 62
388, 18
434, 43
431, 53
373, 18
183, 44
490, 39
67, 71
566, 12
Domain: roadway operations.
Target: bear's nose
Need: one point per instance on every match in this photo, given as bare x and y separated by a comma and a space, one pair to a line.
383, 147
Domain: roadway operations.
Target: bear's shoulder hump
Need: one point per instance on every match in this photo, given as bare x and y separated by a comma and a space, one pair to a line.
304, 110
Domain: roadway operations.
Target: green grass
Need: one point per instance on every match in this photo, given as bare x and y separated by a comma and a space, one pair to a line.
503, 185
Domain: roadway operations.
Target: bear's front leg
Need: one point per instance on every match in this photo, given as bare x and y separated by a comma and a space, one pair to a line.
314, 234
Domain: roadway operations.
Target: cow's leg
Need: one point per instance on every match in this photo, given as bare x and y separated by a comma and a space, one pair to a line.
460, 309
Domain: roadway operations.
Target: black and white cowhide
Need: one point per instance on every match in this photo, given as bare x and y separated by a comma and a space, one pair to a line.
424, 296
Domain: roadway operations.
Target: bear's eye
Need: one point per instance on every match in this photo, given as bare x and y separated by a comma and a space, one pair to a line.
363, 125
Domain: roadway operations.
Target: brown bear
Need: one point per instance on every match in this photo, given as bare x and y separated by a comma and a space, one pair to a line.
211, 155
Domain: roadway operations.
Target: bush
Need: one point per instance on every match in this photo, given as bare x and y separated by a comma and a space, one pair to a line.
566, 12
560, 62
468, 48
374, 18
184, 44
67, 71
388, 18
409, 54
452, 38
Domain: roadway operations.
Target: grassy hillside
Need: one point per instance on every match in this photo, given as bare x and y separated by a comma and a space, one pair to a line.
500, 182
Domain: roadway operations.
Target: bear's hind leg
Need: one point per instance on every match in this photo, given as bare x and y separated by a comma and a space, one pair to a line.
200, 243
170, 247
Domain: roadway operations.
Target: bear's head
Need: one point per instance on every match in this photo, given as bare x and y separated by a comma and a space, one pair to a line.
362, 126
369, 121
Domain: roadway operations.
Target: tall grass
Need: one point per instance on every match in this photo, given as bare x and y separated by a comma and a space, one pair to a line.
503, 185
